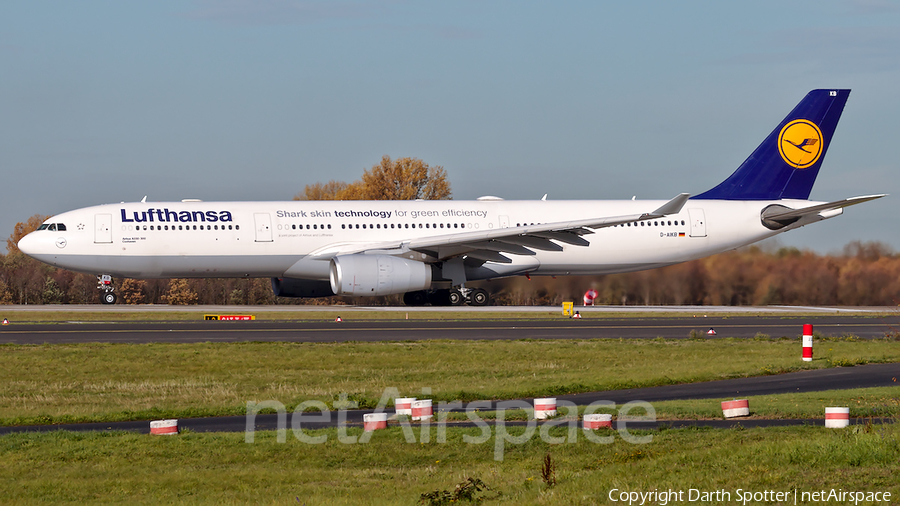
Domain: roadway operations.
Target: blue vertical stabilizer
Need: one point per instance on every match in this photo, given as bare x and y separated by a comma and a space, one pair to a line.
786, 164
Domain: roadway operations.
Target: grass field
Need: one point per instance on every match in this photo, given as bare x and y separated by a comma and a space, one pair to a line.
77, 468
107, 382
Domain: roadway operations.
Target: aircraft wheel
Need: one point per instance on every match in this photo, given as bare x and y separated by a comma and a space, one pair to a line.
479, 297
456, 298
418, 298
108, 298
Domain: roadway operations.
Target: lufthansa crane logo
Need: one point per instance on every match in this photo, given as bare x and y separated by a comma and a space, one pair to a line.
800, 143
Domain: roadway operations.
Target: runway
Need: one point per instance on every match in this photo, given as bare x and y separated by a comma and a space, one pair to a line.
350, 330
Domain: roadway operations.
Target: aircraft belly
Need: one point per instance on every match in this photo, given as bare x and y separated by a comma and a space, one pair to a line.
173, 266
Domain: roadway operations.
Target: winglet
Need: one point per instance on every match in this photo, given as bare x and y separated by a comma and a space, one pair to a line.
671, 207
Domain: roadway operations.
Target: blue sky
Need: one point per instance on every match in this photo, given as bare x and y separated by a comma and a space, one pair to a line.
105, 101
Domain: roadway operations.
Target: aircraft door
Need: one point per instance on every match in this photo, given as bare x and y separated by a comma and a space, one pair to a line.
103, 228
263, 223
698, 222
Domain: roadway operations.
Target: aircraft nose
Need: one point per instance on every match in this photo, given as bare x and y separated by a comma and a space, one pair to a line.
28, 244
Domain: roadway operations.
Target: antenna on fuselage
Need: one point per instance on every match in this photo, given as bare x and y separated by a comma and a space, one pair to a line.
144, 199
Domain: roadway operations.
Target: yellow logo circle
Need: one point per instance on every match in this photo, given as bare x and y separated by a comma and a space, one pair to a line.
800, 143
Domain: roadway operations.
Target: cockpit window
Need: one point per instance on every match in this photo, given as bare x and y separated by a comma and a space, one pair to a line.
53, 226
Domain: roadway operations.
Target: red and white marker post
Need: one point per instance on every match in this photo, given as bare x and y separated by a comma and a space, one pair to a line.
164, 427
807, 342
421, 410
732, 409
597, 421
837, 418
374, 421
544, 408
403, 405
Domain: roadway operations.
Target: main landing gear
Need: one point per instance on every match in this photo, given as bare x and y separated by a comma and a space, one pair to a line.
104, 283
452, 297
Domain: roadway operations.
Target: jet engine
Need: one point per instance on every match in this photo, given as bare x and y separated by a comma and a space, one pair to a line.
378, 275
293, 287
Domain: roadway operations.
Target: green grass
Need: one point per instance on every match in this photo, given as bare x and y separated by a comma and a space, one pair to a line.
196, 468
108, 382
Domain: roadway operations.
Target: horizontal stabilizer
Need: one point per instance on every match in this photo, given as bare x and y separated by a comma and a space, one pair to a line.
778, 216
784, 213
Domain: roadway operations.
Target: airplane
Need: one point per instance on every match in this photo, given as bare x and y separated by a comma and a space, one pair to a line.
429, 250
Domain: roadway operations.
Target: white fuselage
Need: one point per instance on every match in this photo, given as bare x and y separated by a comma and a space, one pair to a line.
293, 239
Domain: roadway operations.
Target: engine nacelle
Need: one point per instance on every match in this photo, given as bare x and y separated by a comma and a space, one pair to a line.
378, 275
293, 287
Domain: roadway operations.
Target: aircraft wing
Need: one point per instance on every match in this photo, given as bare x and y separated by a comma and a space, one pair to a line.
489, 245
790, 214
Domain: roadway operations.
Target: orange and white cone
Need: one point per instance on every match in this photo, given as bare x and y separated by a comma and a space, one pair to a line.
338, 319
5, 321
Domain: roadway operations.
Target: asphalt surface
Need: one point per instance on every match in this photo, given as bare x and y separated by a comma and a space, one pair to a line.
865, 327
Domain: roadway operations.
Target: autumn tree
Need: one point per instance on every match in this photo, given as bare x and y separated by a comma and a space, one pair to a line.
5, 296
400, 179
331, 190
132, 291
23, 229
180, 293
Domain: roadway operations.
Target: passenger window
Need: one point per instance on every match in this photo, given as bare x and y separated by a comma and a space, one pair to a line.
329, 226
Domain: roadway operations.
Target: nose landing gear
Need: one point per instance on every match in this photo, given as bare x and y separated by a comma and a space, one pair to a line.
104, 283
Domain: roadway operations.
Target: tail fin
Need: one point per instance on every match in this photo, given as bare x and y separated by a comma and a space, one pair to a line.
786, 164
